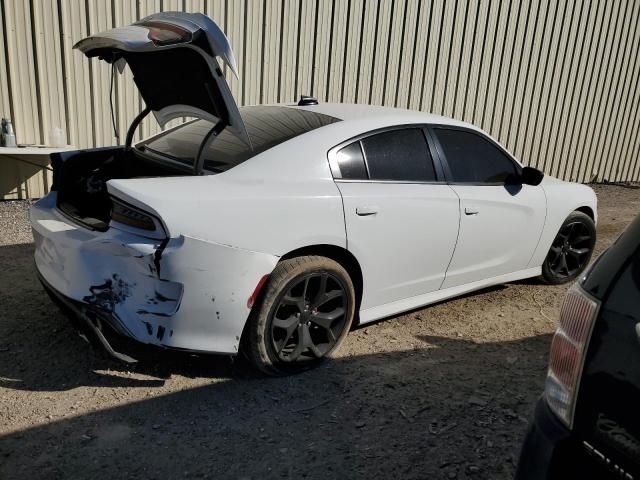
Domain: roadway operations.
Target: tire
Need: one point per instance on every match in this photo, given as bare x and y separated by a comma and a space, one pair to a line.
571, 250
298, 307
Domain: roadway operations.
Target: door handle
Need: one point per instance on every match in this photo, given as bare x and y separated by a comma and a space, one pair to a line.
470, 211
366, 211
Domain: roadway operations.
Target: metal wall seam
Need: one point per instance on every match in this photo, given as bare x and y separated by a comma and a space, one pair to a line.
619, 101
577, 107
50, 83
535, 130
5, 93
563, 64
610, 100
352, 59
22, 71
592, 90
395, 53
609, 51
288, 52
526, 49
631, 130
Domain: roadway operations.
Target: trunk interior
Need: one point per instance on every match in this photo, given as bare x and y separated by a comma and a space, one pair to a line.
80, 178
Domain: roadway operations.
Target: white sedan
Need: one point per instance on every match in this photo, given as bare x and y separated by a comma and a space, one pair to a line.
273, 229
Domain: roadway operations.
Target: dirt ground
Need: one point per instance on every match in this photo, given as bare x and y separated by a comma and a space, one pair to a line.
443, 392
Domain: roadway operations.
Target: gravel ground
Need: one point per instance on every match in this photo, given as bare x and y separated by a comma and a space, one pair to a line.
442, 392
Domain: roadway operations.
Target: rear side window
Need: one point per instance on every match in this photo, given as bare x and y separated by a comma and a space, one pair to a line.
401, 155
473, 159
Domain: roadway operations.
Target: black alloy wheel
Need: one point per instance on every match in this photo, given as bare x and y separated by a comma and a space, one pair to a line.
309, 317
302, 316
571, 250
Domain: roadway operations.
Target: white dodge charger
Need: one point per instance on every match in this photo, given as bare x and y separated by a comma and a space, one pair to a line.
272, 230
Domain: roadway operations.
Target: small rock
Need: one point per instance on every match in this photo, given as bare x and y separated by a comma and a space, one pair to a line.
510, 413
360, 424
477, 401
473, 469
155, 426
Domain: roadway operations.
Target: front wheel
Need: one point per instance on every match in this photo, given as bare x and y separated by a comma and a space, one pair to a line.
305, 314
571, 250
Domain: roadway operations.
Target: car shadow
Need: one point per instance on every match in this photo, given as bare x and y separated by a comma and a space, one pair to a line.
448, 408
452, 408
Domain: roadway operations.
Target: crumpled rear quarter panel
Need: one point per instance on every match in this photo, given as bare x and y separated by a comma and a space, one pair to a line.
192, 294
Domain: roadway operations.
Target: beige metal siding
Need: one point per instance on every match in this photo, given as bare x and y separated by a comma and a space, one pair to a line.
555, 82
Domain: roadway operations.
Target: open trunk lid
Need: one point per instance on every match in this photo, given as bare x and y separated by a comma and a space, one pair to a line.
172, 56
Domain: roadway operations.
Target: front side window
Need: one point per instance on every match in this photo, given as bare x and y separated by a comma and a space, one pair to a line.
473, 159
401, 155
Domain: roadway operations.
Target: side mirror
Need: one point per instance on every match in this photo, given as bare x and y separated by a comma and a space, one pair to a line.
531, 176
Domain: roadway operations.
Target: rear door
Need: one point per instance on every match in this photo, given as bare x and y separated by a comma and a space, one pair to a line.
401, 217
500, 224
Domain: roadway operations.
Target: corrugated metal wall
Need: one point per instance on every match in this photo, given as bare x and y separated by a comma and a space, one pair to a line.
554, 81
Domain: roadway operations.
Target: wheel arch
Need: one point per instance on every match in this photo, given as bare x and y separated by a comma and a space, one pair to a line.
587, 211
341, 255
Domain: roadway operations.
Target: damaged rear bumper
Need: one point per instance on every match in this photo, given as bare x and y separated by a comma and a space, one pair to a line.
88, 322
182, 293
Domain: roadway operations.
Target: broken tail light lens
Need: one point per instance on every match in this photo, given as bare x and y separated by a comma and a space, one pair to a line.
568, 350
131, 216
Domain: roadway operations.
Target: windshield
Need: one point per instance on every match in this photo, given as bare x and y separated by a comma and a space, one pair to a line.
267, 127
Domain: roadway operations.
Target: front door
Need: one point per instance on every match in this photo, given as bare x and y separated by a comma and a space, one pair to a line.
500, 223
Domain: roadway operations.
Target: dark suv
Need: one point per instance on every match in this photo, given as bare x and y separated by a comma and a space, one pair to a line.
587, 423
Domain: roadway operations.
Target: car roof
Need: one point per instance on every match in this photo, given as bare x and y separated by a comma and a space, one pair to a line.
355, 112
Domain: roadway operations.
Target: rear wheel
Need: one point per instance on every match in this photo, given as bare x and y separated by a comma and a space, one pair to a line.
305, 314
571, 250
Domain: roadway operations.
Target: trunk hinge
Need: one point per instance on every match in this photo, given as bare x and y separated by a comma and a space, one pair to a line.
208, 138
133, 126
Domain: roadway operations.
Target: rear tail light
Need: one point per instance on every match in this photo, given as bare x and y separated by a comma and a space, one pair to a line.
134, 219
568, 350
161, 33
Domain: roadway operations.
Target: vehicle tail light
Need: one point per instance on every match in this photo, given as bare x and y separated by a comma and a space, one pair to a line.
161, 33
568, 350
131, 216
